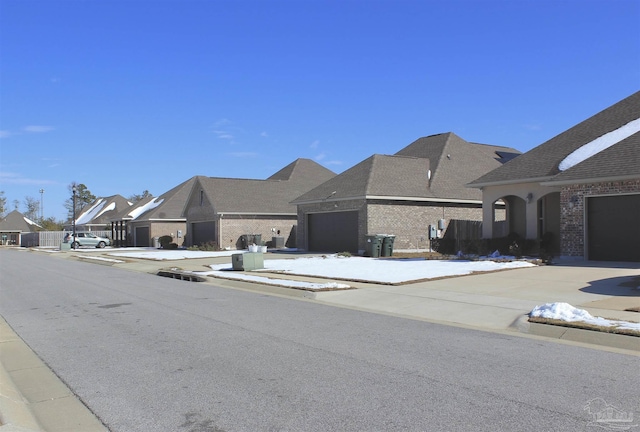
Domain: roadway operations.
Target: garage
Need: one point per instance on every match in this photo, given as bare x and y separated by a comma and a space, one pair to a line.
142, 237
613, 228
333, 232
203, 232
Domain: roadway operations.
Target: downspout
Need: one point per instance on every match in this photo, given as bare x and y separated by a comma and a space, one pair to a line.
220, 231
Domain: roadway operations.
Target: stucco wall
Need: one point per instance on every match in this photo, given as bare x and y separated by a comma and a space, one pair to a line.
573, 211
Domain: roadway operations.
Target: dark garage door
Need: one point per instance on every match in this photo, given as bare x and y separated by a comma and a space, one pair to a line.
142, 237
203, 232
613, 228
333, 232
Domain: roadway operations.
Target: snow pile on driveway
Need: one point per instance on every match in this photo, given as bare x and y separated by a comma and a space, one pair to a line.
566, 312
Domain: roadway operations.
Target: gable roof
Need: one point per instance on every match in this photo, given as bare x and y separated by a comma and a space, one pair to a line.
17, 222
168, 206
436, 167
541, 163
271, 196
102, 210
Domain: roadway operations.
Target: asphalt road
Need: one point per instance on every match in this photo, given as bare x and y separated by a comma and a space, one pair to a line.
147, 353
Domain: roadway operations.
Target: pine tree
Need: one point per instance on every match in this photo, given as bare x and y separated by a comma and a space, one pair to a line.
83, 197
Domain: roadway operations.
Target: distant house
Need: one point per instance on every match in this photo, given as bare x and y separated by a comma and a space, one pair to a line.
423, 184
581, 188
154, 217
97, 216
224, 210
13, 226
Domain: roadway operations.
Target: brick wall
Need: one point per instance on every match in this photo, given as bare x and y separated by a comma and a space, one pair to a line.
408, 221
159, 229
572, 211
231, 228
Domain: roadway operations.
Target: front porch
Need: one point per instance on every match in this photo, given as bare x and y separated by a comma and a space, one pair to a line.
532, 212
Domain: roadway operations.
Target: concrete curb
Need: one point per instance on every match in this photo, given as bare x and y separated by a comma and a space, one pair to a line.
32, 397
591, 337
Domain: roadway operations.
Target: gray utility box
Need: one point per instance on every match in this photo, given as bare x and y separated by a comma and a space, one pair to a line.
248, 261
277, 242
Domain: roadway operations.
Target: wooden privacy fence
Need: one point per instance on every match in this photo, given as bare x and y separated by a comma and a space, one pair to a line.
50, 238
460, 231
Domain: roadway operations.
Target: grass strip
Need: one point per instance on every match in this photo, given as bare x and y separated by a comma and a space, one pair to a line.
584, 326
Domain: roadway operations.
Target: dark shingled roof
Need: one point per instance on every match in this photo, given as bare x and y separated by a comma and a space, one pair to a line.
16, 222
118, 202
378, 175
451, 161
171, 207
619, 161
271, 196
541, 163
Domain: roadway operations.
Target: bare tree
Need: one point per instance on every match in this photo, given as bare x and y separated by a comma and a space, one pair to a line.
3, 204
33, 206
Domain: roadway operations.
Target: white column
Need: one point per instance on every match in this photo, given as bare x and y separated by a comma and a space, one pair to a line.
488, 216
532, 219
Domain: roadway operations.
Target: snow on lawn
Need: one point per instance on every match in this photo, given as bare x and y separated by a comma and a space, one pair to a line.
381, 270
101, 259
178, 254
287, 283
568, 313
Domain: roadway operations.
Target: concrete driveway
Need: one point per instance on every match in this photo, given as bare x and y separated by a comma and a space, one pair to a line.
499, 300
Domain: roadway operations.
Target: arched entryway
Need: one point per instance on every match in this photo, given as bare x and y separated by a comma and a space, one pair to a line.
516, 217
549, 222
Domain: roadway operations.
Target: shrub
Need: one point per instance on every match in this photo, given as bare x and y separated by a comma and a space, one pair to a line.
344, 254
165, 240
445, 246
171, 246
208, 246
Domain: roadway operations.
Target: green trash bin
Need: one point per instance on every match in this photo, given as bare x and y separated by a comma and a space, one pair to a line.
387, 245
374, 246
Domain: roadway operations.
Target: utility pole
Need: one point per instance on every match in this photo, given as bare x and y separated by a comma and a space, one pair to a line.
73, 189
41, 204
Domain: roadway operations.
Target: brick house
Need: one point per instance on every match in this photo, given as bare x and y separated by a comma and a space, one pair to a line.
223, 210
154, 217
582, 186
401, 195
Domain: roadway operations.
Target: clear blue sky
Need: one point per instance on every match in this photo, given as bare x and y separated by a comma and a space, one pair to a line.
130, 95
